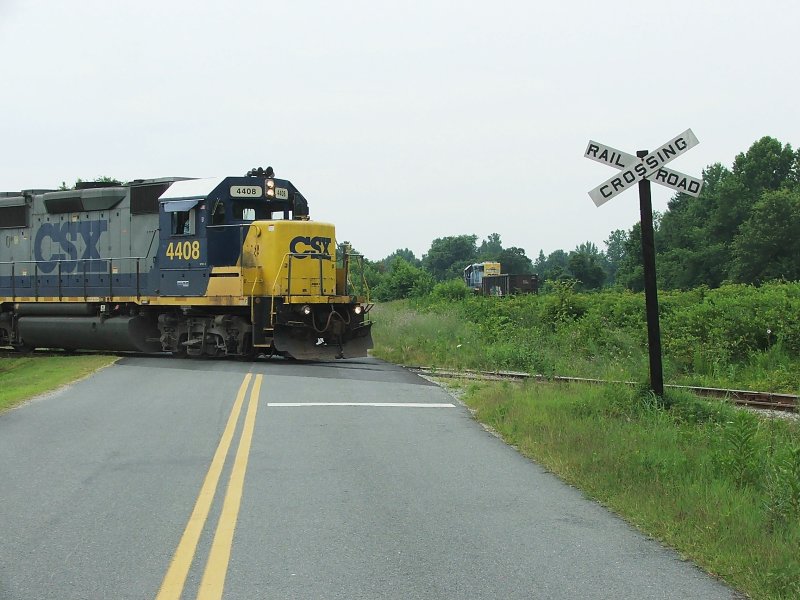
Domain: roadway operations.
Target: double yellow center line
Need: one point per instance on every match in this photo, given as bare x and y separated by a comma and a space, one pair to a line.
213, 580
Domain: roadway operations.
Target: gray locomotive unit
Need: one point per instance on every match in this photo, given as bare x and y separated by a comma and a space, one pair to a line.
227, 266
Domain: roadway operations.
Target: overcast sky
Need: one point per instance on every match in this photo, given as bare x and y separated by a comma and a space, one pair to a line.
400, 122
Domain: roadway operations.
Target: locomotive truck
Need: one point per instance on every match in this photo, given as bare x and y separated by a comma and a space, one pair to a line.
229, 266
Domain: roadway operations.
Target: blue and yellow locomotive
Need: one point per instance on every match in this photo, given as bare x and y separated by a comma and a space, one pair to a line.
201, 267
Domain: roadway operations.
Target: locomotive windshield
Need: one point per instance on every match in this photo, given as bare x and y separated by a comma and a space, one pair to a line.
245, 211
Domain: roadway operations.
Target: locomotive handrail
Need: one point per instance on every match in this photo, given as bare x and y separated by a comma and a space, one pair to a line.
292, 255
66, 260
360, 260
82, 262
346, 266
152, 239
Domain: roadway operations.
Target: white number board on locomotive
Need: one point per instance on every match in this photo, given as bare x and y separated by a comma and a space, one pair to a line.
254, 191
246, 191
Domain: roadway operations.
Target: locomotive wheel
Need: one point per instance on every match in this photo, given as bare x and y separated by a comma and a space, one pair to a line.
181, 351
248, 351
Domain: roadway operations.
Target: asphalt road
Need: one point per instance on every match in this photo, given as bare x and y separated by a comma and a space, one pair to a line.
166, 478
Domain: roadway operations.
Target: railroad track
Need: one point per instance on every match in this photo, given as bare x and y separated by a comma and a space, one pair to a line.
762, 400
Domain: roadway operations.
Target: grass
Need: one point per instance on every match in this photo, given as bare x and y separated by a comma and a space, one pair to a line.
23, 377
716, 483
445, 339
410, 338
605, 338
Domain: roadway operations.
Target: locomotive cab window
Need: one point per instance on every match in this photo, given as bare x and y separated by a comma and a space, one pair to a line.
218, 213
242, 212
183, 222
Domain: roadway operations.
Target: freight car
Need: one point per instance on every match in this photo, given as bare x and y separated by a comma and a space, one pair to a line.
229, 266
506, 284
485, 278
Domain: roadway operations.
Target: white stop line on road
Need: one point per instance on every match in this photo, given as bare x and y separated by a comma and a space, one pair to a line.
373, 404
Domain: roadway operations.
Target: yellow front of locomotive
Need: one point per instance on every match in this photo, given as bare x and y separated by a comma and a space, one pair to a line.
290, 270
290, 259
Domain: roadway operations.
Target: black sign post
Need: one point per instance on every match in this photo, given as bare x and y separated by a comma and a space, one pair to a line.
643, 168
650, 288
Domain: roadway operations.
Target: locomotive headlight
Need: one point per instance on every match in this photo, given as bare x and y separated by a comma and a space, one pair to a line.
306, 310
270, 183
270, 192
358, 310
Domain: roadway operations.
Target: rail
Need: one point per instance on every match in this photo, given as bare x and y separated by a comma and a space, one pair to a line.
762, 400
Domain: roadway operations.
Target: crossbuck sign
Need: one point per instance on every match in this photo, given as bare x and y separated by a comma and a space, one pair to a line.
642, 169
634, 169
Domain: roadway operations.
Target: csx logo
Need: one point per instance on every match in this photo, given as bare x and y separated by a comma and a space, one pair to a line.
65, 236
310, 245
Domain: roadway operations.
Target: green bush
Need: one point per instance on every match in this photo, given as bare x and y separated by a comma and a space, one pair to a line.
783, 487
741, 454
450, 291
735, 336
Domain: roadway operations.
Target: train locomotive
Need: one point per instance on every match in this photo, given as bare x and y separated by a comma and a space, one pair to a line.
227, 266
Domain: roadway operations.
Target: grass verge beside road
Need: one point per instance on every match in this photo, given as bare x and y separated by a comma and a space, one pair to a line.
23, 377
720, 485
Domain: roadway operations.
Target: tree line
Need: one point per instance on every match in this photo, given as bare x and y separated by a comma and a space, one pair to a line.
743, 228
403, 275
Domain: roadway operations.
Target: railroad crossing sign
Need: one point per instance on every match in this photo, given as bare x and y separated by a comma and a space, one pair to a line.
650, 167
642, 169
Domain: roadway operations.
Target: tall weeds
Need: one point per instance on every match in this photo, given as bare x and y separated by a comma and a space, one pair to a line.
734, 336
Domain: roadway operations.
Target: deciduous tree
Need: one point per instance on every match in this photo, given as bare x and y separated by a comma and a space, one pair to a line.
448, 256
768, 244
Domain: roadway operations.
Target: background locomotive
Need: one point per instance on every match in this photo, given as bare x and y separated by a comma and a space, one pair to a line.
203, 267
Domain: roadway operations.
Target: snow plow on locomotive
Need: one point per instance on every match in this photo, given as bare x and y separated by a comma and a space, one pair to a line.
228, 266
